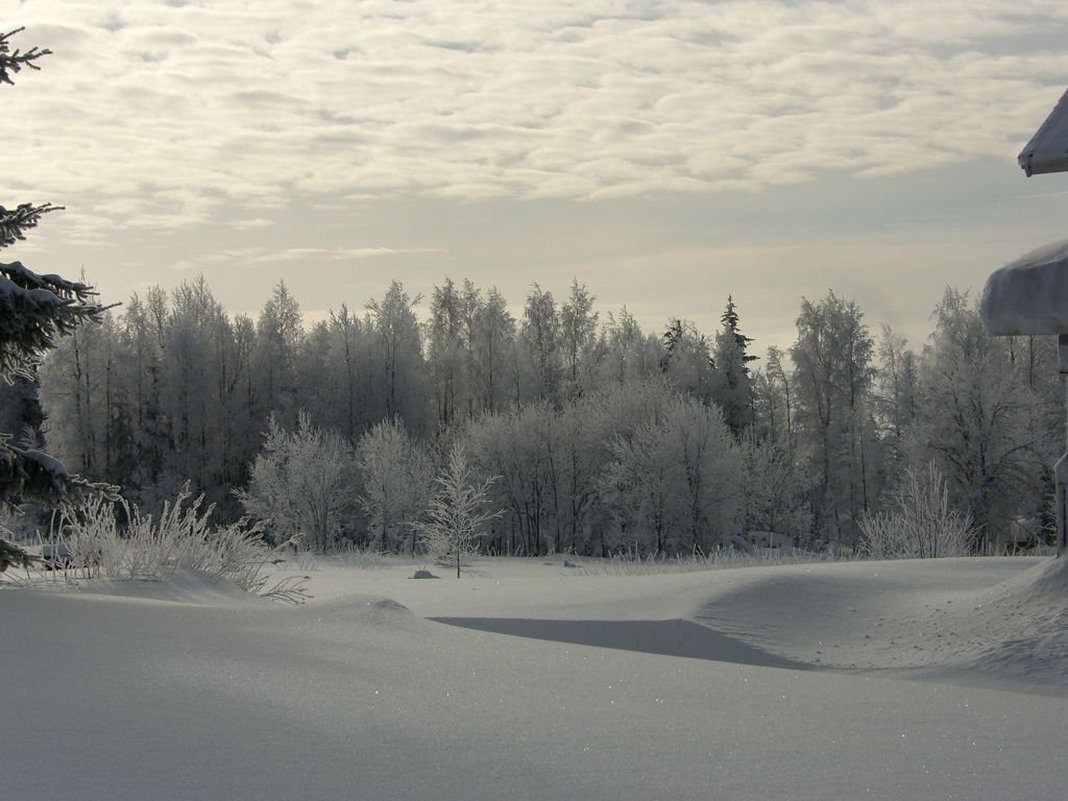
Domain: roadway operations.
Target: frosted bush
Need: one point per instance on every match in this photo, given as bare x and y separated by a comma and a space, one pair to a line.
920, 522
117, 541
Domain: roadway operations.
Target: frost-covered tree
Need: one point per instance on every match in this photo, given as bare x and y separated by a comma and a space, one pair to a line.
458, 514
687, 360
516, 445
399, 369
673, 483
493, 352
630, 355
776, 492
448, 332
833, 375
140, 372
279, 333
774, 400
578, 329
348, 372
302, 484
34, 311
977, 418
579, 448
83, 401
397, 475
710, 490
540, 340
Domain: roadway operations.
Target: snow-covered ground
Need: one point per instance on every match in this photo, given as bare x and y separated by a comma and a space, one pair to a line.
939, 679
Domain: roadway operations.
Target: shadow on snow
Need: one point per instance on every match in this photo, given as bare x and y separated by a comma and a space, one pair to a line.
666, 637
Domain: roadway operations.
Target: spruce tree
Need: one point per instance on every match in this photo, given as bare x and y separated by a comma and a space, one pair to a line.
733, 389
34, 310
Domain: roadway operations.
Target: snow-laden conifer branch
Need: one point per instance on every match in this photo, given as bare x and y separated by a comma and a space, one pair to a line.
33, 474
28, 279
34, 311
12, 61
15, 222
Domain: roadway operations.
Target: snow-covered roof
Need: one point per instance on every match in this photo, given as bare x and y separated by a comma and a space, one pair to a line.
1048, 149
1029, 295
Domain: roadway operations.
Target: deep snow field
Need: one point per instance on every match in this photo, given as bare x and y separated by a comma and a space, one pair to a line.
526, 679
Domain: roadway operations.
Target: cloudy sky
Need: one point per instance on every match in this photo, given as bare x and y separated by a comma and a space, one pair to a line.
664, 153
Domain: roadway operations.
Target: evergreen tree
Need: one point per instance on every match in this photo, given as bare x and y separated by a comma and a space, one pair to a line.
34, 310
733, 387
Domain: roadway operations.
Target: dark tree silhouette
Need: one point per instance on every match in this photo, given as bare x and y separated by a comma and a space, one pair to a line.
34, 310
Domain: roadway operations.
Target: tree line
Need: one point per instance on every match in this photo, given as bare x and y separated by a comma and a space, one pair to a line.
598, 436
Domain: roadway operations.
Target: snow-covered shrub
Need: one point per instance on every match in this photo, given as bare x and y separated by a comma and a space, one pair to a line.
920, 522
117, 541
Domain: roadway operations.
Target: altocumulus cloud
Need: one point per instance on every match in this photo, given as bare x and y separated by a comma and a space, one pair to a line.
160, 114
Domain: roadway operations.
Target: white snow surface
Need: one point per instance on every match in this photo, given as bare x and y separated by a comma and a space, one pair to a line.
525, 679
1029, 295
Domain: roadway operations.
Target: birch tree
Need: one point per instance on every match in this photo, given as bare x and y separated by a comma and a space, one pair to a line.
833, 375
397, 476
457, 516
975, 418
302, 484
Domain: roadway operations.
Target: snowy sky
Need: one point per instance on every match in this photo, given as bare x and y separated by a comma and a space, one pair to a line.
663, 153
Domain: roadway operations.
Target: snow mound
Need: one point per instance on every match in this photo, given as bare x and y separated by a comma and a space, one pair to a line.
1027, 618
387, 605
357, 610
955, 620
1046, 582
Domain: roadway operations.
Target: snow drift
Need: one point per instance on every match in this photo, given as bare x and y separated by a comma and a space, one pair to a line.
193, 693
